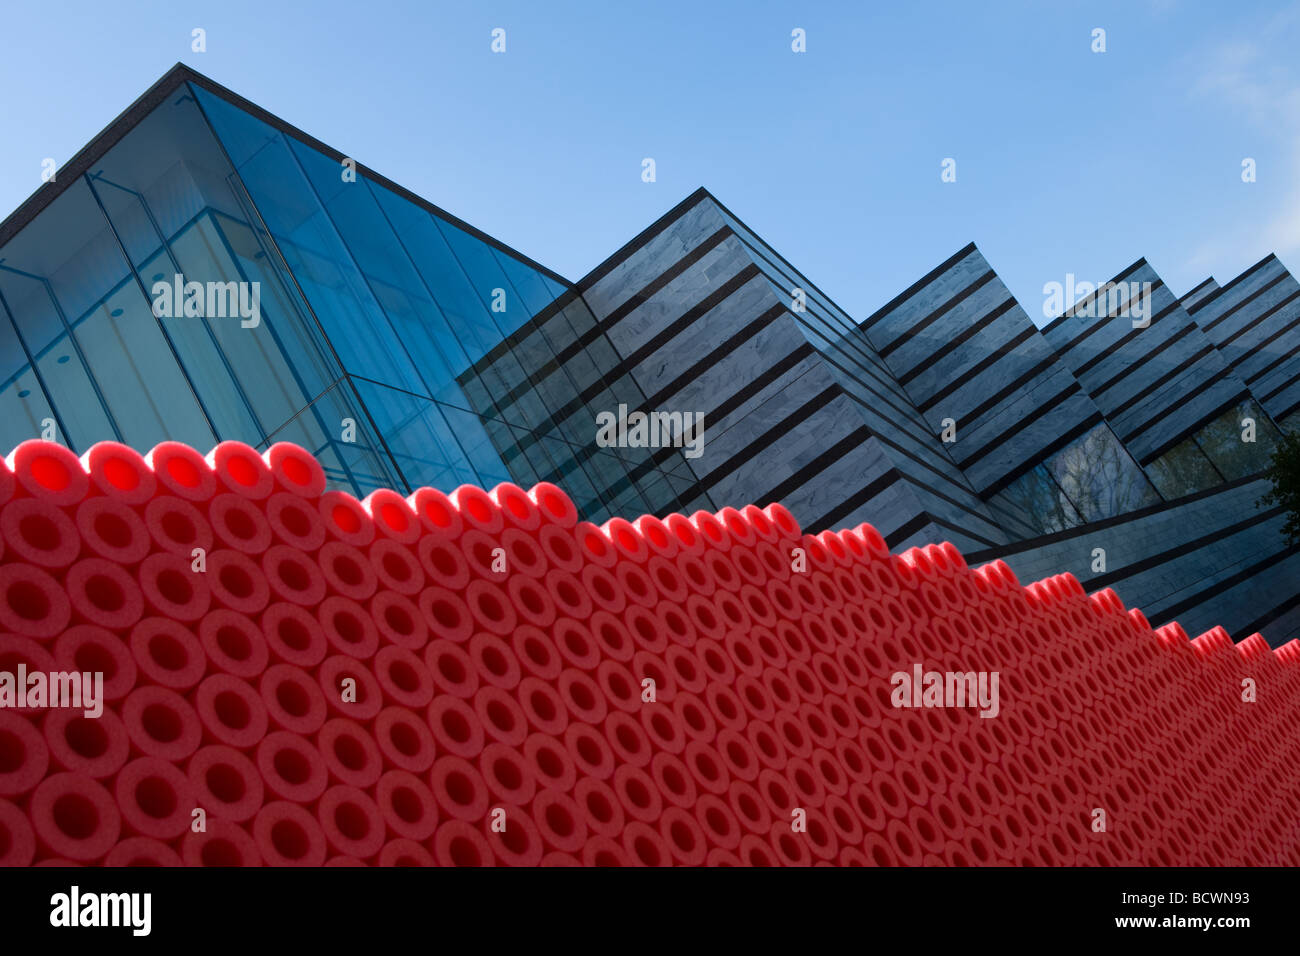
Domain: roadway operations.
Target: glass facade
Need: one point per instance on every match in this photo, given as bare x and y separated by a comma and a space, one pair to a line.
213, 275
1092, 478
1217, 452
375, 332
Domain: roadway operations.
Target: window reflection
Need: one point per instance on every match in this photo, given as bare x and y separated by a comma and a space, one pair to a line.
1183, 470
1100, 478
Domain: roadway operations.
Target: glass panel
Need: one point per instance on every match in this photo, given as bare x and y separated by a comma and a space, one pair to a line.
1183, 470
1035, 499
336, 430
1223, 443
1100, 478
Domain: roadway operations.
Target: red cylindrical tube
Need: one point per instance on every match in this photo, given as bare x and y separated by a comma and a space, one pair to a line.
295, 470
239, 523
224, 843
74, 817
295, 521
39, 532
95, 746
349, 687
167, 653
112, 530
241, 470
172, 589
34, 604
161, 723
291, 768
48, 471
407, 805
176, 525
155, 798
294, 702
234, 644
102, 593
351, 821
226, 783
294, 636
142, 851
119, 473
230, 711
287, 835
182, 471
350, 753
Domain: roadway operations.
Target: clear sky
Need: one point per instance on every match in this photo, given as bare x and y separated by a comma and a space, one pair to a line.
1067, 161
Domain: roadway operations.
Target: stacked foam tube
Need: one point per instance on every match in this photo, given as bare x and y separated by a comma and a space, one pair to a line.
293, 676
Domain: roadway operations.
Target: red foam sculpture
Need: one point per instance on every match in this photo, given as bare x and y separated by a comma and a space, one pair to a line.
480, 678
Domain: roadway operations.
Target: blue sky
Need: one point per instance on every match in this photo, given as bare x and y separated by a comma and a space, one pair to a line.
1067, 161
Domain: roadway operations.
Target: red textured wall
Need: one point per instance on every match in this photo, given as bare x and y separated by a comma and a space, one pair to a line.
517, 696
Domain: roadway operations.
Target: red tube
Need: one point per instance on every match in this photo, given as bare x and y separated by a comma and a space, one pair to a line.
458, 843
404, 740
392, 515
403, 852
95, 746
176, 525
48, 471
560, 821
230, 712
455, 726
223, 843
34, 605
234, 644
446, 614
348, 627
555, 506
293, 636
25, 754
119, 473
351, 821
407, 805
291, 768
74, 817
182, 471
345, 519
287, 835
172, 589
241, 470
93, 649
142, 851
101, 593
40, 533
295, 470
518, 509
294, 702
403, 678
350, 753
494, 661
161, 723
293, 576
111, 530
437, 513
226, 783
331, 675
508, 774
155, 798
167, 653
347, 571
238, 523
295, 521
396, 567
